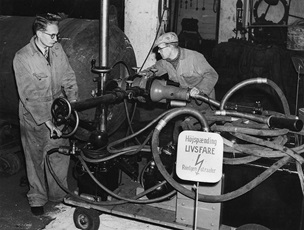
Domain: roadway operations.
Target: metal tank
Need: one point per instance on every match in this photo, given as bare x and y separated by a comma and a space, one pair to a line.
80, 39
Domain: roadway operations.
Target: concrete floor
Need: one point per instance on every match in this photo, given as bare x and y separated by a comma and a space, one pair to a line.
14, 209
15, 212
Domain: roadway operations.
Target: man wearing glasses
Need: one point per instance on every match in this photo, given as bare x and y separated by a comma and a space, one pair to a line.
186, 67
43, 73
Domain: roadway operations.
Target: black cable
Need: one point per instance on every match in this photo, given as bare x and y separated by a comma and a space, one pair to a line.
132, 200
138, 132
121, 200
152, 46
130, 120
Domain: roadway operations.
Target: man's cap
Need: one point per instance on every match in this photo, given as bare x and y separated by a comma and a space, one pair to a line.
165, 39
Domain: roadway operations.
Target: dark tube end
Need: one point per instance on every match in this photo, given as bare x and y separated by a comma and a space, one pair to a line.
286, 123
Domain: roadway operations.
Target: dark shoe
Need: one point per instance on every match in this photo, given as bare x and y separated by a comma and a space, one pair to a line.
37, 211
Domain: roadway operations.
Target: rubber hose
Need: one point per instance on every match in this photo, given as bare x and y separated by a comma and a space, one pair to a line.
255, 132
207, 100
259, 152
106, 202
117, 142
240, 161
272, 145
126, 151
212, 198
301, 175
109, 148
107, 158
257, 81
201, 197
257, 118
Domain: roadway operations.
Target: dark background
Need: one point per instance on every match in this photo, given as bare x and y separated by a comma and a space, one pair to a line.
86, 9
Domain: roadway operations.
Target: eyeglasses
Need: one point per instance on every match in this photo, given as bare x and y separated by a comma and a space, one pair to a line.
52, 35
162, 48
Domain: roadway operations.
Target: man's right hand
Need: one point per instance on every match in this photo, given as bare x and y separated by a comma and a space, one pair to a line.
145, 76
146, 73
55, 132
150, 72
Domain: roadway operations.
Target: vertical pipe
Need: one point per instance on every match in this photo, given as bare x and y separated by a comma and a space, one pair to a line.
104, 33
103, 55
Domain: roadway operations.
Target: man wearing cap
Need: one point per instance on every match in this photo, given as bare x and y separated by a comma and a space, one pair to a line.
187, 67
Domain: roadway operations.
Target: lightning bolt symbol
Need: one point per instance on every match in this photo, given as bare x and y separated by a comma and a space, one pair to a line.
199, 163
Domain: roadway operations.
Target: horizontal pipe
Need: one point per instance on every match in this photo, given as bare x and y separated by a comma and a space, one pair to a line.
93, 102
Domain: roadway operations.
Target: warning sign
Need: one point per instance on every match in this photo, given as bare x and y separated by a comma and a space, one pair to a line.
199, 156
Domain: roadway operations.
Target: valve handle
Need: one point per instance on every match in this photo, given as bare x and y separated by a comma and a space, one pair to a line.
61, 110
71, 126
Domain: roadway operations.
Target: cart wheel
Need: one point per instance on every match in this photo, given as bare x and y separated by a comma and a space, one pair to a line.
86, 219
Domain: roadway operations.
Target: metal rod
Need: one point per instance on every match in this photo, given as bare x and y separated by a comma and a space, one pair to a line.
295, 16
297, 93
104, 33
196, 205
103, 55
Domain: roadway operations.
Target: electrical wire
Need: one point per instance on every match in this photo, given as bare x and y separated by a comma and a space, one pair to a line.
152, 46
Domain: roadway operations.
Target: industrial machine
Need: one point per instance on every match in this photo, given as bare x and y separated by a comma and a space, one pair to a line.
254, 134
151, 191
132, 173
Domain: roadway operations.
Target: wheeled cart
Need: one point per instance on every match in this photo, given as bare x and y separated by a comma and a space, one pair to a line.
86, 215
